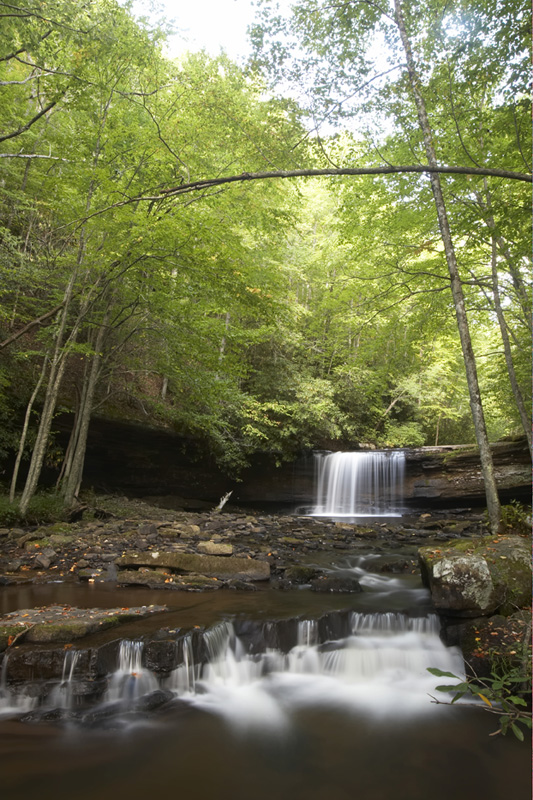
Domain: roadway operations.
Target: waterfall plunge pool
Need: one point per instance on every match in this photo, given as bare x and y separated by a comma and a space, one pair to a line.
328, 711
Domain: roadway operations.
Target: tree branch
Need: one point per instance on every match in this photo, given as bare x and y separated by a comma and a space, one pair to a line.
207, 183
24, 128
30, 325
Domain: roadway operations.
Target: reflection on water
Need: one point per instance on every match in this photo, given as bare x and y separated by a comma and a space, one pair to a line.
325, 754
328, 717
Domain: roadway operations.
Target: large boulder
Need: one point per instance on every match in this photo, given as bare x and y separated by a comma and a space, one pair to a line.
222, 567
477, 577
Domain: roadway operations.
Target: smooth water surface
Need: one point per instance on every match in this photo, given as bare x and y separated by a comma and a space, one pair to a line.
320, 719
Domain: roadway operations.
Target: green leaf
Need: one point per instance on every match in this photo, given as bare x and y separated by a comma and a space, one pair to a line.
517, 732
440, 673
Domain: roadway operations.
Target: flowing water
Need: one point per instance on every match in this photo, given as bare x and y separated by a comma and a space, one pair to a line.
330, 708
360, 484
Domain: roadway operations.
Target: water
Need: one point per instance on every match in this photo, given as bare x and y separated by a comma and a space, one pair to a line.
12, 703
63, 696
361, 484
331, 713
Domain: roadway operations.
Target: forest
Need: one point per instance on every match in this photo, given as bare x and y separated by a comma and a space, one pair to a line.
148, 272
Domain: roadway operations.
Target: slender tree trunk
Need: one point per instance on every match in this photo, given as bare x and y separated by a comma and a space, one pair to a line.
59, 360
519, 400
487, 466
73, 475
57, 369
518, 282
24, 433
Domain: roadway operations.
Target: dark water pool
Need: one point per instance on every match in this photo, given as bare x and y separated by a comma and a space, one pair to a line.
332, 721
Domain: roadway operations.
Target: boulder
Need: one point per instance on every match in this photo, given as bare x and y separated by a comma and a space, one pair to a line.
476, 577
299, 573
222, 567
215, 548
156, 579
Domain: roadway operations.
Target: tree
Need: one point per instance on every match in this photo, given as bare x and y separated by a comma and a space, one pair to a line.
335, 41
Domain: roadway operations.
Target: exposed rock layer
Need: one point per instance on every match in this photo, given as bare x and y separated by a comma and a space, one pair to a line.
138, 460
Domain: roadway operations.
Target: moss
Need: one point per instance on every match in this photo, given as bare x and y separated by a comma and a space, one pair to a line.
453, 455
8, 633
508, 560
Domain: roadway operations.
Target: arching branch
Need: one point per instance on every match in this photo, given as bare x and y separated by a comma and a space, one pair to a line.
421, 169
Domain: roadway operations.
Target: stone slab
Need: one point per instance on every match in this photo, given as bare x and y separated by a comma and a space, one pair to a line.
223, 567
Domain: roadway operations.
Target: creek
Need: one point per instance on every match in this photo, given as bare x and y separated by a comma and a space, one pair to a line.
294, 695
263, 694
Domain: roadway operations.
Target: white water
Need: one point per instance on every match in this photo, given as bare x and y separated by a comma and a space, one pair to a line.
63, 696
13, 703
380, 668
131, 680
362, 484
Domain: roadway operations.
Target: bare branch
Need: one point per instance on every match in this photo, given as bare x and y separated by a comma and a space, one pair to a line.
24, 128
30, 325
31, 155
207, 183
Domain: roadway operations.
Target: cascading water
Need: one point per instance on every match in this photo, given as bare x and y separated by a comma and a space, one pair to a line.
336, 706
62, 696
131, 680
12, 702
359, 484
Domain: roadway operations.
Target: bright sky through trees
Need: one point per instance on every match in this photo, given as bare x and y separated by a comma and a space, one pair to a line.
205, 25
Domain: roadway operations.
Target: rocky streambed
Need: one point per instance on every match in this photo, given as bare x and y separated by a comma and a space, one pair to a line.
479, 584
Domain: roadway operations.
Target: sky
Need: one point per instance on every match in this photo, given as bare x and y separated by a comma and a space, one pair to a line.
206, 24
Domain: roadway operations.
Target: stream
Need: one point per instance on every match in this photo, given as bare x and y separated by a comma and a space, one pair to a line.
340, 710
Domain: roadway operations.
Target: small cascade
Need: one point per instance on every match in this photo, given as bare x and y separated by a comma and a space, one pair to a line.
183, 679
359, 484
131, 680
379, 667
13, 703
392, 622
62, 696
307, 632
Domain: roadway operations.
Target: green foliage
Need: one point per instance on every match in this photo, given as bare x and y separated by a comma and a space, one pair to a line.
266, 316
517, 517
502, 694
45, 507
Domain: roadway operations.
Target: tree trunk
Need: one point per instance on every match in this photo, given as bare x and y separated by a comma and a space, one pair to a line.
487, 466
524, 417
74, 471
57, 369
24, 433
518, 282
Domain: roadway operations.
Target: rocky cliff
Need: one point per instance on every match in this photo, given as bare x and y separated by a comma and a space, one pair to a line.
137, 460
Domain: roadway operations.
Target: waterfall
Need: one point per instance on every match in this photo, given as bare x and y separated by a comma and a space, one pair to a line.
380, 667
13, 703
359, 484
63, 696
131, 680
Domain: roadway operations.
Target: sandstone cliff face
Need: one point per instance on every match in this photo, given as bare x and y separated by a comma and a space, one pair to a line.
444, 474
136, 460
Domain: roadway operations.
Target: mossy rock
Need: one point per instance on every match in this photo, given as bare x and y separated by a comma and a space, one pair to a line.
300, 574
476, 577
60, 540
8, 633
35, 545
68, 631
59, 528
